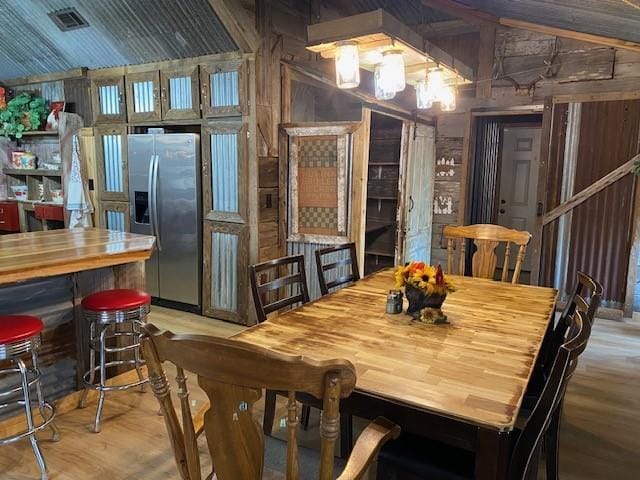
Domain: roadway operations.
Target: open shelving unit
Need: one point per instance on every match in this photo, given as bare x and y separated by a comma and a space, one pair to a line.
38, 211
382, 193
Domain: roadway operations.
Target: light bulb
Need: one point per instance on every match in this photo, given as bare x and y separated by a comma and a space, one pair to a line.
392, 71
347, 65
435, 85
382, 93
448, 99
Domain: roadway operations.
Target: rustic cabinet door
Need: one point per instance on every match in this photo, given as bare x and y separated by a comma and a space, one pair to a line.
224, 174
223, 87
113, 216
180, 94
143, 96
225, 275
108, 100
111, 163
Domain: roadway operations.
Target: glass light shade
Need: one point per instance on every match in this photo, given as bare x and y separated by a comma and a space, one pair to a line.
347, 65
448, 99
435, 85
382, 93
392, 71
423, 100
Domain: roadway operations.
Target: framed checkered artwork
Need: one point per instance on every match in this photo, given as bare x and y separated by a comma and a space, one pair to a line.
319, 160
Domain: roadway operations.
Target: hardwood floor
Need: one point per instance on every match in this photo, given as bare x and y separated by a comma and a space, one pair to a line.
599, 438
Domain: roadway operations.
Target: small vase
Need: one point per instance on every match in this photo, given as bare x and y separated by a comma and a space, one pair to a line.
420, 300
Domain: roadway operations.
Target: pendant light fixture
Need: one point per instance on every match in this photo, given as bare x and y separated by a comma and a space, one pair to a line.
448, 99
381, 90
435, 85
422, 94
392, 71
347, 64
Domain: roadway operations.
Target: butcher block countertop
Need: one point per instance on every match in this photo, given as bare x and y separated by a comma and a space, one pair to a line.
25, 256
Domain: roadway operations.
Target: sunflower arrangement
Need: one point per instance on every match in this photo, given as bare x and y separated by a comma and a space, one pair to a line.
427, 278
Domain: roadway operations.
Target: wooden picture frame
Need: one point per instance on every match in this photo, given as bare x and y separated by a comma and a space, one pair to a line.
210, 270
207, 70
151, 100
342, 135
170, 113
103, 192
117, 103
240, 129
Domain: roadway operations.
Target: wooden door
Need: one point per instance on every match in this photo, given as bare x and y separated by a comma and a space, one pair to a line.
418, 197
225, 246
518, 191
317, 159
113, 216
111, 163
143, 96
180, 93
223, 88
108, 100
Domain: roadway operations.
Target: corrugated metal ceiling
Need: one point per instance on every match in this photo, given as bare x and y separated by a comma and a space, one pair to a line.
610, 18
120, 32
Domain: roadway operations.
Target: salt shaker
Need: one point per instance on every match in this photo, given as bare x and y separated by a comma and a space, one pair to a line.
394, 302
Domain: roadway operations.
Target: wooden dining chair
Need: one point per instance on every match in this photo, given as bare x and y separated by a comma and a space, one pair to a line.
233, 374
286, 274
486, 239
585, 300
413, 456
339, 257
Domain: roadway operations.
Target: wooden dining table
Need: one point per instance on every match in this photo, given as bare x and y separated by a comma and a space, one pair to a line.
461, 383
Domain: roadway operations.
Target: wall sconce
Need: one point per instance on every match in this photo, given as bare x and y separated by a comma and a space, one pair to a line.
392, 74
347, 64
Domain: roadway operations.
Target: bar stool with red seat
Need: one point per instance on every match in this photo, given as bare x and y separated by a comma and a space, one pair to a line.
108, 311
19, 336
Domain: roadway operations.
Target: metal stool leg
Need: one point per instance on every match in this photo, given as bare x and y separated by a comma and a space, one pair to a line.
55, 434
103, 377
92, 364
27, 409
135, 331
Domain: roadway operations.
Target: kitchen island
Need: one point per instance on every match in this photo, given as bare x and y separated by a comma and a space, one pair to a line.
48, 273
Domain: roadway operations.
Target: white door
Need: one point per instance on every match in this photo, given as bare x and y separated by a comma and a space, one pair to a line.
418, 198
519, 181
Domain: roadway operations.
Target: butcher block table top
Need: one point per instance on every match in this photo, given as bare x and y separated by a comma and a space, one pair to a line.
475, 369
24, 256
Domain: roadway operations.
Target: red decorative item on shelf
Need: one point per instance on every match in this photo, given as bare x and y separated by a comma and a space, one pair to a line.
54, 115
3, 98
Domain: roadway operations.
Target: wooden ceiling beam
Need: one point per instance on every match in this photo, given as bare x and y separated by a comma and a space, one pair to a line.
478, 17
445, 28
239, 23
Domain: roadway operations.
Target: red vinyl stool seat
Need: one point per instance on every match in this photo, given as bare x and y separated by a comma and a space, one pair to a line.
116, 299
14, 328
19, 338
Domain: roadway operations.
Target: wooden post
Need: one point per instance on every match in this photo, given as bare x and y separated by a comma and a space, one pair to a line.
486, 55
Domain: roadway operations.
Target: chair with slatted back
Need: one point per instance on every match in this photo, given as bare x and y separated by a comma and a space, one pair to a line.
282, 274
486, 239
333, 255
232, 374
586, 300
290, 276
416, 457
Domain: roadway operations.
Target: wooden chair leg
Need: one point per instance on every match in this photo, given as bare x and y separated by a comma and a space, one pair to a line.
269, 411
304, 416
346, 435
551, 439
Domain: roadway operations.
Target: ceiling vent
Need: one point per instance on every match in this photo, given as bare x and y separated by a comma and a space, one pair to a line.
68, 19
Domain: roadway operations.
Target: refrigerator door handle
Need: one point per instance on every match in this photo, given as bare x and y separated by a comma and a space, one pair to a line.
154, 199
149, 194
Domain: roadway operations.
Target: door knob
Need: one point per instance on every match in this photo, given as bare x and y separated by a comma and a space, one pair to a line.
502, 211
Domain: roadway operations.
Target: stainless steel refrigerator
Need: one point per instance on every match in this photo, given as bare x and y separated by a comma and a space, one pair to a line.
164, 196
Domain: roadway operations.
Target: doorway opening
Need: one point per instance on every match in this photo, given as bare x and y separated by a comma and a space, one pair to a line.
382, 192
504, 178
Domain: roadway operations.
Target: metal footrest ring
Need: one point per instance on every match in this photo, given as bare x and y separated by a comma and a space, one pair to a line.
109, 388
36, 428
